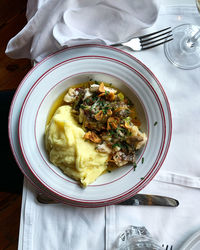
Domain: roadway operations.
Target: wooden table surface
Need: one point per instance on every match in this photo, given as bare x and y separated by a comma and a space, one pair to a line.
12, 20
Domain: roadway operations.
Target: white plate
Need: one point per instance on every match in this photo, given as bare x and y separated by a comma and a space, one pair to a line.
193, 243
163, 116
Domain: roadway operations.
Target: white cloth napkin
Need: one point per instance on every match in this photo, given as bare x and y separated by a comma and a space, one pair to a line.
63, 227
54, 24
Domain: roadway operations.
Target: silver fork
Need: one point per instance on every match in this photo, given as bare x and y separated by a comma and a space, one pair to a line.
149, 41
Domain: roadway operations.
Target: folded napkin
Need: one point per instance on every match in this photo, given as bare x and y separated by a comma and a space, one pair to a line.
54, 24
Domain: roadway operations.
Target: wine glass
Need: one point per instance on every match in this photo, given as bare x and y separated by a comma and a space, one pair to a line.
184, 50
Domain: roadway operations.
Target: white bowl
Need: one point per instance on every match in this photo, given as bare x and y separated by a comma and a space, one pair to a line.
146, 93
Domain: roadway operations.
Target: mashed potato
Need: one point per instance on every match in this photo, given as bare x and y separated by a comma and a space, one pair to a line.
68, 150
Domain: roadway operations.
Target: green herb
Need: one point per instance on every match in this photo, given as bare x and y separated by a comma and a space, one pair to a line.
142, 178
87, 100
127, 119
127, 112
94, 98
155, 123
121, 96
116, 145
113, 133
101, 103
109, 171
123, 130
134, 166
129, 133
142, 160
129, 102
105, 109
96, 82
124, 145
83, 106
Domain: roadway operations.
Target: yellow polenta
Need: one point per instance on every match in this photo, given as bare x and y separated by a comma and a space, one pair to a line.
68, 150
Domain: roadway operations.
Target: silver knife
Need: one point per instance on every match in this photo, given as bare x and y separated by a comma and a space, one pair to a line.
150, 200
136, 200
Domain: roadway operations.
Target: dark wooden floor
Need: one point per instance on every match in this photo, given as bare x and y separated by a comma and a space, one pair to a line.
12, 20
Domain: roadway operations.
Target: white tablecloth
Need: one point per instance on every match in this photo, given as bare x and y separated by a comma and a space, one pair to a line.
60, 227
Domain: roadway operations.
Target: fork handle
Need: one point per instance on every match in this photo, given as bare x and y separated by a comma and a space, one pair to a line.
116, 44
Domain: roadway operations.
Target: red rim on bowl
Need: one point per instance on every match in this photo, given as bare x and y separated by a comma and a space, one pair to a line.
148, 177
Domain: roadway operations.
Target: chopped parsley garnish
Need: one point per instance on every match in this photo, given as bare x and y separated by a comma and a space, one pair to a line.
116, 145
101, 103
129, 102
134, 166
124, 145
83, 106
94, 97
142, 178
87, 100
113, 133
155, 123
142, 160
105, 110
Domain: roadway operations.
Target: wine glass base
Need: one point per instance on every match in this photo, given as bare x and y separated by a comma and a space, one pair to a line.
179, 52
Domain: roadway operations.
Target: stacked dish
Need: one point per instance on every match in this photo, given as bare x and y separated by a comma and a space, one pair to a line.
47, 80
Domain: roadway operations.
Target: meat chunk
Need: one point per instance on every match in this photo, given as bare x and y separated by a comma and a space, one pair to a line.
103, 148
122, 159
71, 95
137, 137
95, 88
88, 93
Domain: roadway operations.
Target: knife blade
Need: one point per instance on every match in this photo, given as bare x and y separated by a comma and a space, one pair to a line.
136, 200
150, 200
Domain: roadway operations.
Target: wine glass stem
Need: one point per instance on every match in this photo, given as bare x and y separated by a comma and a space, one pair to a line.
191, 42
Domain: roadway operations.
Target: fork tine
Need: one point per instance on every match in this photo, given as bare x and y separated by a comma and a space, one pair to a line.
151, 38
151, 34
154, 41
167, 247
148, 41
157, 44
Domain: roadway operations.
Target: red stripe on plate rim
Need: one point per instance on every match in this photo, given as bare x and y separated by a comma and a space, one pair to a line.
155, 94
15, 154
